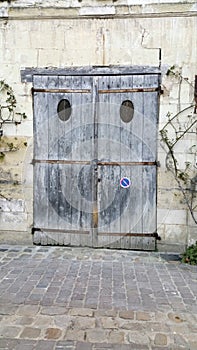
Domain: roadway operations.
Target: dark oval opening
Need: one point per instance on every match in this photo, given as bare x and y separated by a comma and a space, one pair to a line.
64, 110
126, 111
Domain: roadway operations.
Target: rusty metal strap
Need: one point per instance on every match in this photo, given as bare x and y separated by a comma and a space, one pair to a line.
154, 235
60, 161
66, 91
128, 163
85, 91
112, 91
41, 229
87, 162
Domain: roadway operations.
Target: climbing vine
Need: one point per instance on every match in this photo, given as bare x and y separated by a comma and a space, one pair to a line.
176, 129
8, 114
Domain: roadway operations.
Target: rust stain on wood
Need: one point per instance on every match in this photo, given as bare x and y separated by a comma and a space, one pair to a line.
95, 216
60, 161
112, 91
69, 91
59, 231
127, 234
127, 163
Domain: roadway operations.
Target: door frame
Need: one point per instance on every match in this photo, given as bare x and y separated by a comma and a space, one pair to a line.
28, 73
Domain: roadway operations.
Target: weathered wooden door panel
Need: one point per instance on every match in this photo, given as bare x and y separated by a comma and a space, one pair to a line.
63, 151
139, 134
124, 212
104, 130
127, 124
118, 207
55, 138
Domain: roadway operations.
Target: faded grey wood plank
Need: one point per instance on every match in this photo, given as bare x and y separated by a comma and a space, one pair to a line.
53, 169
76, 154
131, 219
150, 128
109, 202
64, 209
40, 120
135, 243
65, 127
107, 151
149, 199
40, 196
86, 174
40, 152
53, 199
116, 153
29, 72
127, 82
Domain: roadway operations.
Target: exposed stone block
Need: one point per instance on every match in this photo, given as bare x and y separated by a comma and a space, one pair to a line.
96, 336
126, 315
30, 333
53, 333
143, 316
160, 339
171, 217
81, 312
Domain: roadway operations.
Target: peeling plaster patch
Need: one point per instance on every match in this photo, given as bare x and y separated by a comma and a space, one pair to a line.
3, 12
5, 176
194, 7
104, 10
13, 205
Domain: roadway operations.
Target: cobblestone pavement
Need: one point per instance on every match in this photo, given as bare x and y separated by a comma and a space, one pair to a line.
59, 298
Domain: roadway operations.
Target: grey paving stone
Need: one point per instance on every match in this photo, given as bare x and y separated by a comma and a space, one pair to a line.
179, 340
27, 310
53, 310
30, 332
83, 346
160, 339
65, 345
7, 309
45, 345
24, 320
121, 347
100, 280
8, 344
134, 346
25, 346
162, 348
9, 331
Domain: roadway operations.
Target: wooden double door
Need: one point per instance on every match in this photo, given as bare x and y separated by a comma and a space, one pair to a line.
94, 161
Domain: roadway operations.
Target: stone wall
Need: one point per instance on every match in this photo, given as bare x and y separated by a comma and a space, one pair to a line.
85, 33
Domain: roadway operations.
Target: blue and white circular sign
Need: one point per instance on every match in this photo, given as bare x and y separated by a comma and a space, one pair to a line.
125, 182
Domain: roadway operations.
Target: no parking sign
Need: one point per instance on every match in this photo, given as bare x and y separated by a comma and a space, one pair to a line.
125, 182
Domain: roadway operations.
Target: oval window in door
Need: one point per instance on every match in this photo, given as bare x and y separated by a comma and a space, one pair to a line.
64, 110
126, 111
